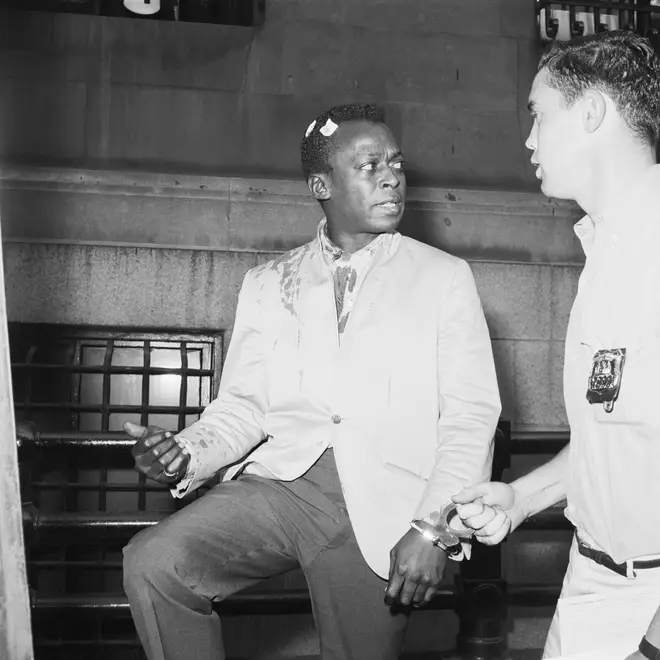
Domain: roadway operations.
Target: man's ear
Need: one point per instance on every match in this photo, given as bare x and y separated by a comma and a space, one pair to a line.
594, 110
320, 187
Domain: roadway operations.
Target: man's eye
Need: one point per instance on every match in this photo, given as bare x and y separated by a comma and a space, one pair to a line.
368, 166
399, 165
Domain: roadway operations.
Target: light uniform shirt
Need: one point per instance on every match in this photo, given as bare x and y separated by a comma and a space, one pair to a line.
614, 474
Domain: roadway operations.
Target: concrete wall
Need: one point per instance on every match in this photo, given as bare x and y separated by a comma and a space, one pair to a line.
139, 249
147, 166
117, 93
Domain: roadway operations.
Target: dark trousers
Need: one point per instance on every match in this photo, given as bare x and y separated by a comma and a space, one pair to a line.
247, 530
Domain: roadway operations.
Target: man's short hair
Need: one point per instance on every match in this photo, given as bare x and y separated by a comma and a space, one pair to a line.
622, 65
318, 145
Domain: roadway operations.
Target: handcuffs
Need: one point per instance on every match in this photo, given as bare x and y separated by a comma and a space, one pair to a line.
438, 529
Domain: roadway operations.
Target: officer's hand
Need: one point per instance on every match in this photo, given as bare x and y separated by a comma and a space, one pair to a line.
416, 570
490, 509
157, 453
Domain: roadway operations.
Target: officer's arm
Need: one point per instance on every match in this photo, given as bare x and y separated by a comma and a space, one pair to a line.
543, 487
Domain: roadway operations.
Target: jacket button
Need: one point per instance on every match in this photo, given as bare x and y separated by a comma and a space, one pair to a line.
336, 419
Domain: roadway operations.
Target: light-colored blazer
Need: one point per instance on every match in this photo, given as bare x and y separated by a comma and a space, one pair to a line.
408, 400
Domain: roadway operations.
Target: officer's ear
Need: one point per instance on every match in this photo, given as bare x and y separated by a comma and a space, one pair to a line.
320, 186
594, 109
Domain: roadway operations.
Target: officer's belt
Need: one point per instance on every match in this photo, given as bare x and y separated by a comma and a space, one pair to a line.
604, 559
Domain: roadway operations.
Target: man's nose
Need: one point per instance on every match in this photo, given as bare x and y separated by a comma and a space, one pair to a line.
389, 179
530, 142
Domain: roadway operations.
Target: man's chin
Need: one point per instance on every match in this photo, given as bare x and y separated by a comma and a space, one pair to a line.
386, 223
547, 189
384, 215
554, 191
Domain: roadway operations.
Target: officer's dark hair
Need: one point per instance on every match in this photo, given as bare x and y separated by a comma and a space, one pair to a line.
622, 65
316, 148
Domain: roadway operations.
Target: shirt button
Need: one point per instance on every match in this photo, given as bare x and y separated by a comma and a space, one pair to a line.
336, 419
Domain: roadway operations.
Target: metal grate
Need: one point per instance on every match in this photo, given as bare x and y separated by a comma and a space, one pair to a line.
89, 381
574, 18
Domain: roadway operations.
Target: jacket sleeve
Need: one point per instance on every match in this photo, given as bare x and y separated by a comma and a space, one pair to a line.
469, 399
232, 424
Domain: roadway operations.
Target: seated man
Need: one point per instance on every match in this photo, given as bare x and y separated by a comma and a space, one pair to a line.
358, 395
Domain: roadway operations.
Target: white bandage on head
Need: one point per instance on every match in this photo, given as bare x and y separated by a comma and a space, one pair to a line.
329, 128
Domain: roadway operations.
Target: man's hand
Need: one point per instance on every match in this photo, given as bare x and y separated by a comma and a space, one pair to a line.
416, 570
636, 656
157, 454
491, 509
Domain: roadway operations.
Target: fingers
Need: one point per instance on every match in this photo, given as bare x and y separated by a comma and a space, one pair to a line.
159, 456
160, 444
393, 587
165, 474
496, 530
409, 590
424, 593
458, 526
151, 444
471, 494
491, 492
156, 437
471, 510
166, 458
135, 430
428, 596
477, 517
416, 591
177, 463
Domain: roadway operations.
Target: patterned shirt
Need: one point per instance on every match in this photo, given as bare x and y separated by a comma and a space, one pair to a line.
350, 270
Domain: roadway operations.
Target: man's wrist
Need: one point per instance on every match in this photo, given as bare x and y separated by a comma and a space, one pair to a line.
436, 537
519, 512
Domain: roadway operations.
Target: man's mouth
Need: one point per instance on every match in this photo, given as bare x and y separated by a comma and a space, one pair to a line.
391, 204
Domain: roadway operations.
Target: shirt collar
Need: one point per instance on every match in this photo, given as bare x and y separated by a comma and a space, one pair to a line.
328, 248
629, 213
333, 253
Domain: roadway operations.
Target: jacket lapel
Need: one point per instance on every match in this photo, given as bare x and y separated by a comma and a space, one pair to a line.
317, 338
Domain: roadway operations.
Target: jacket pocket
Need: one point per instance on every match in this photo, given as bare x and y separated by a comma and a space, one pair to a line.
404, 471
